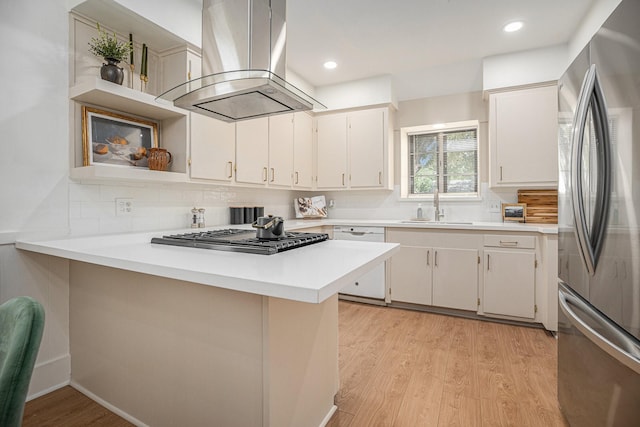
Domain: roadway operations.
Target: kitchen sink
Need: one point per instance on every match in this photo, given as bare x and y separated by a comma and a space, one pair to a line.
454, 223
415, 221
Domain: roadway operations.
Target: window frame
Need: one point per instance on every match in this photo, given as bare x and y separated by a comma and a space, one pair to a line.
406, 132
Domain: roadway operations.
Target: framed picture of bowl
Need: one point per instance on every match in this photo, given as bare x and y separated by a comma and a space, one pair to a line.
514, 211
115, 139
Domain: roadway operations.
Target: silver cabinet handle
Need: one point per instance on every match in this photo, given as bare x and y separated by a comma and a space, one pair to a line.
500, 173
380, 178
488, 261
508, 243
343, 180
273, 174
296, 177
230, 169
264, 174
428, 256
435, 259
629, 356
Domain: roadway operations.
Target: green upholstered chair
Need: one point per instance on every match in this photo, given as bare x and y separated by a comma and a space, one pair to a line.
21, 325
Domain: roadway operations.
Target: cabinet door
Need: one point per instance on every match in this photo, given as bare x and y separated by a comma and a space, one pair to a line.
212, 148
523, 134
332, 151
302, 150
366, 148
411, 275
455, 278
509, 282
252, 151
280, 150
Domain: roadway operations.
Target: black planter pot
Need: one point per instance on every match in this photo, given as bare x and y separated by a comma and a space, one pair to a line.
111, 72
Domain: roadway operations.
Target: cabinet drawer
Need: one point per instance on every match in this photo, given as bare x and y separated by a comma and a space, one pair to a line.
510, 241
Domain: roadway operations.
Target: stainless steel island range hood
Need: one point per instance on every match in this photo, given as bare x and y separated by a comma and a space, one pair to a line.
243, 64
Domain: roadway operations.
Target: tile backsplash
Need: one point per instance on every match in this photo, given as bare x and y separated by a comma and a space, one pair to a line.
92, 207
378, 204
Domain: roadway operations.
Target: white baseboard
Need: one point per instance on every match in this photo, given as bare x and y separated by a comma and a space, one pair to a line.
139, 423
49, 375
108, 405
327, 418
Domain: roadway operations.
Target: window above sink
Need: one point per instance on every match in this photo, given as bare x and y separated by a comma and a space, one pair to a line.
441, 157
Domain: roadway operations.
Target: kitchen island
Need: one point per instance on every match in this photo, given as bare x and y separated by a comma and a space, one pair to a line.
169, 336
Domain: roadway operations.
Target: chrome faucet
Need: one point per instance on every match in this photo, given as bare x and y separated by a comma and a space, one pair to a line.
436, 204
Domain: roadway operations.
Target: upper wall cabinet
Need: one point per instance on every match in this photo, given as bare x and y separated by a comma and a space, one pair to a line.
252, 151
353, 150
523, 138
302, 151
213, 148
331, 151
281, 135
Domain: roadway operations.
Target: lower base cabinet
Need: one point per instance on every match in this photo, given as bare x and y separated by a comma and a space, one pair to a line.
509, 287
509, 282
455, 278
434, 268
411, 275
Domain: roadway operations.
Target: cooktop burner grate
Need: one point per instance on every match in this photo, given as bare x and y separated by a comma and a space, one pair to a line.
238, 240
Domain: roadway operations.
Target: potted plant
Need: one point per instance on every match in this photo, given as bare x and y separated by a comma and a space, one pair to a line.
113, 51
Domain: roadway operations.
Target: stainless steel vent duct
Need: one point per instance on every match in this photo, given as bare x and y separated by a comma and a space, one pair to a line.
243, 64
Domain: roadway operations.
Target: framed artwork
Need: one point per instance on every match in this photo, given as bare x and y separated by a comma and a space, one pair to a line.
514, 211
114, 139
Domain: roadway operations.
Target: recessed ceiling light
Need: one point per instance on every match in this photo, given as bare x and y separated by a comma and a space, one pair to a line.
330, 65
512, 26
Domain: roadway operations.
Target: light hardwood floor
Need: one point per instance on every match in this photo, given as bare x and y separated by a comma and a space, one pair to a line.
405, 368
69, 408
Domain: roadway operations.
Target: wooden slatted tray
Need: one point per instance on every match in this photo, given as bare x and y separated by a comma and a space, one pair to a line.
542, 205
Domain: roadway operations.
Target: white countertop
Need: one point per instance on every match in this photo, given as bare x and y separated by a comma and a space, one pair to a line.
461, 225
308, 274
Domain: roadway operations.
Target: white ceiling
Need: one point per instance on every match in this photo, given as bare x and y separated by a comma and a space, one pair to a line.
408, 39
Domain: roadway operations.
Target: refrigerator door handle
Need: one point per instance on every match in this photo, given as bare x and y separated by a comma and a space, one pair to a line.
628, 356
591, 95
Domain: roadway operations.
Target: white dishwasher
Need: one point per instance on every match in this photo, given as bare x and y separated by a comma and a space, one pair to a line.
371, 285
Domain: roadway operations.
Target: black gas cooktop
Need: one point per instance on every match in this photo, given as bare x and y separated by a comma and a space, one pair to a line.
237, 240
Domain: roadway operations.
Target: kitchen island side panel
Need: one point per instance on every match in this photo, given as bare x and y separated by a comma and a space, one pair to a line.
166, 352
301, 355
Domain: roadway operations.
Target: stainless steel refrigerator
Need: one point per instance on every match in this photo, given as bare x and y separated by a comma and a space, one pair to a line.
599, 227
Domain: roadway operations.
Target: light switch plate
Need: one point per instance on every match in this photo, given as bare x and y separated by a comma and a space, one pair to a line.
494, 206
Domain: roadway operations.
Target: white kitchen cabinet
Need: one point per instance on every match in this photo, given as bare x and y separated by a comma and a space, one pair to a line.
281, 134
366, 141
434, 268
302, 151
523, 137
509, 276
252, 151
455, 278
331, 158
213, 145
411, 275
178, 66
353, 150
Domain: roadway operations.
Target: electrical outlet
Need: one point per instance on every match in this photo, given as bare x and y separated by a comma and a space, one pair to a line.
124, 207
494, 206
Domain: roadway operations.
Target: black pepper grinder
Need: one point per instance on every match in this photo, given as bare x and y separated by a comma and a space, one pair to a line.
194, 218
